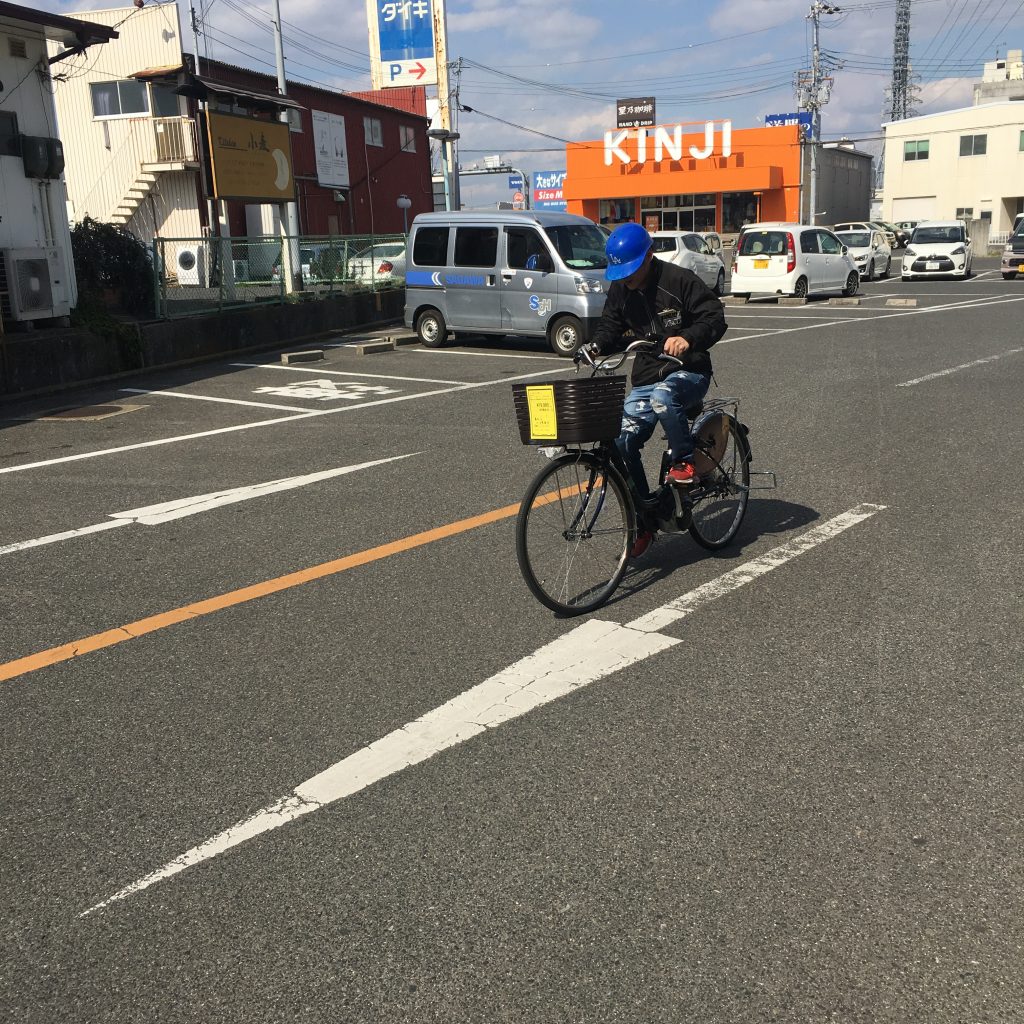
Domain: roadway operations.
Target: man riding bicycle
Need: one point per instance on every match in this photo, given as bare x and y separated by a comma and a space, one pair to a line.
675, 309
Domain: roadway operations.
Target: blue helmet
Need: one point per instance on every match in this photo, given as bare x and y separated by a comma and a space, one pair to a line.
626, 248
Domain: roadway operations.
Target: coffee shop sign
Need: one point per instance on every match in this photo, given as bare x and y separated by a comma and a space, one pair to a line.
666, 142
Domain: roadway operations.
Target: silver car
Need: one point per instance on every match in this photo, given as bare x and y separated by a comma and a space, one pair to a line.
690, 250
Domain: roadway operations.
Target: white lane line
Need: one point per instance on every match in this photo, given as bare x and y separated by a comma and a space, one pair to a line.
956, 369
267, 423
208, 398
179, 508
588, 653
53, 538
342, 373
485, 355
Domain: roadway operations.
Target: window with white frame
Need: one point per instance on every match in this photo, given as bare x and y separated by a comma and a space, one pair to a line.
119, 99
372, 132
916, 149
407, 138
973, 145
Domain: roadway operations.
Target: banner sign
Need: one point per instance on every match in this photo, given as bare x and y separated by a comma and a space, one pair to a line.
804, 119
635, 113
515, 181
251, 159
331, 150
401, 43
547, 190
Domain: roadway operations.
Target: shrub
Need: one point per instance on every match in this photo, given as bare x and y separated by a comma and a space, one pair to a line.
110, 258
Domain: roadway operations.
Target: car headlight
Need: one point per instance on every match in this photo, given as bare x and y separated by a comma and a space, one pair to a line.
863, 258
1008, 248
585, 284
958, 251
909, 252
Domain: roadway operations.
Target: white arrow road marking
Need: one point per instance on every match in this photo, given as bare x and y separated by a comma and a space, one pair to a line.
588, 653
167, 511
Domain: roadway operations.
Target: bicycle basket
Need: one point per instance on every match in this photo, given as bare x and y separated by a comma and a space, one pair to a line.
569, 411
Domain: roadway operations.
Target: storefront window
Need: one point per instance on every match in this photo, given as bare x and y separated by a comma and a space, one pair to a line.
739, 208
617, 211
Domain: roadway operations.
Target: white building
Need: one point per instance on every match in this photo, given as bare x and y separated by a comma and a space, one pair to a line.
37, 274
966, 163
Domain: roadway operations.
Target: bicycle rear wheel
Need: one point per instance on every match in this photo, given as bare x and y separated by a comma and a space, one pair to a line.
573, 533
720, 500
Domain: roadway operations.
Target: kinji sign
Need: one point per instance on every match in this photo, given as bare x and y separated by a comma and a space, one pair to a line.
638, 146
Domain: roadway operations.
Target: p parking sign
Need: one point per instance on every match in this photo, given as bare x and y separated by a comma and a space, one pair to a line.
402, 45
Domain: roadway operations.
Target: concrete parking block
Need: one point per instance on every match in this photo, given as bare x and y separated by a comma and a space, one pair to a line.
733, 300
844, 302
408, 339
901, 302
791, 300
309, 356
380, 345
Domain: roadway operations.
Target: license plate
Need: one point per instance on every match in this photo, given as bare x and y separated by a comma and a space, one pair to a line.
761, 264
931, 266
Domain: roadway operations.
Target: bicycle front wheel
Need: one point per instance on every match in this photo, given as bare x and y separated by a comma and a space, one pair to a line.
573, 534
720, 500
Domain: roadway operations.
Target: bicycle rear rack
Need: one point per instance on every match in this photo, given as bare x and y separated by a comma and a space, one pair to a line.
765, 486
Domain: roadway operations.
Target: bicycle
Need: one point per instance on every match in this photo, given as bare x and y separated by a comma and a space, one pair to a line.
582, 513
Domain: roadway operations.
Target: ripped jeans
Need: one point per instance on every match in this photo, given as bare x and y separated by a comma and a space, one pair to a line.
665, 403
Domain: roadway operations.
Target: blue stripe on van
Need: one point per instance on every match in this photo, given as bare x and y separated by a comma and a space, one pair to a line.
425, 278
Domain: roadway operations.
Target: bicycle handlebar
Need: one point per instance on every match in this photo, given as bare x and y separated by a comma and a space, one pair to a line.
607, 365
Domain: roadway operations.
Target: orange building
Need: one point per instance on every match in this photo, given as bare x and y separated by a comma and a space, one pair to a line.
687, 177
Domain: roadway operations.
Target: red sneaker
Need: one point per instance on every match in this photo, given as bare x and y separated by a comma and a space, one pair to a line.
682, 473
641, 544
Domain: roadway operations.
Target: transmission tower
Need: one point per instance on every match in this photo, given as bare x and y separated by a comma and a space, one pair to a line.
900, 100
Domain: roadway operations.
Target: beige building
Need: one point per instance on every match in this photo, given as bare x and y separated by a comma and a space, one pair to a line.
966, 163
132, 151
1003, 79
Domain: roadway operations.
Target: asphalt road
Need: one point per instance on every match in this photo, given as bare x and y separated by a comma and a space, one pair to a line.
800, 802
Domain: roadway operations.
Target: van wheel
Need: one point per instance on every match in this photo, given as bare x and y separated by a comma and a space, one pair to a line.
720, 283
800, 288
566, 335
431, 328
852, 284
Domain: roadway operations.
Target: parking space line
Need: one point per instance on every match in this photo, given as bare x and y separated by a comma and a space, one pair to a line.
341, 373
956, 369
485, 355
210, 398
584, 655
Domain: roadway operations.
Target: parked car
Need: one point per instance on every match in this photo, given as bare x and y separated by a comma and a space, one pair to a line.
792, 259
384, 261
938, 247
907, 226
867, 225
902, 237
1012, 262
714, 240
688, 249
870, 251
320, 261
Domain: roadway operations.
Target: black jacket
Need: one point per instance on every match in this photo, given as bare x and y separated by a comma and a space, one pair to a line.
673, 302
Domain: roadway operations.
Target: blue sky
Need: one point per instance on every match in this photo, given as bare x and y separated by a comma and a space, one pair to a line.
556, 67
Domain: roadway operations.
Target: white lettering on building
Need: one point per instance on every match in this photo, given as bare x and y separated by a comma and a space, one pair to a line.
667, 142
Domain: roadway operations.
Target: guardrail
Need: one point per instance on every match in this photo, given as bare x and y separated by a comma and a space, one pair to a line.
204, 275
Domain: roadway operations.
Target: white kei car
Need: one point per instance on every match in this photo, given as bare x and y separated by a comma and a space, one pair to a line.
688, 249
792, 259
937, 248
870, 251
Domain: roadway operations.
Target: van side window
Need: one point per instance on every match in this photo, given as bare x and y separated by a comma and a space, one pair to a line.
476, 247
830, 245
522, 244
431, 247
809, 241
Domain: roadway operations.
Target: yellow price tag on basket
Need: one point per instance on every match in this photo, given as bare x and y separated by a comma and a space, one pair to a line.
540, 400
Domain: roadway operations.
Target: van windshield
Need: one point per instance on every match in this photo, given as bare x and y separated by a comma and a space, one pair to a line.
855, 239
581, 246
937, 234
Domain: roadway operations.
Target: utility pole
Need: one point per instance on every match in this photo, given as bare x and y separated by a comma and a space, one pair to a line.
449, 161
814, 95
290, 262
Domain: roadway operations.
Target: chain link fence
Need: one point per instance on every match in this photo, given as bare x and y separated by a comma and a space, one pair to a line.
203, 275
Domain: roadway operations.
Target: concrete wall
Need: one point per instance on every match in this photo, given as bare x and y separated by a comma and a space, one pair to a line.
40, 361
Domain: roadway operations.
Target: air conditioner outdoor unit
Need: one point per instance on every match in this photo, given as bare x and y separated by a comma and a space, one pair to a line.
37, 286
191, 265
240, 270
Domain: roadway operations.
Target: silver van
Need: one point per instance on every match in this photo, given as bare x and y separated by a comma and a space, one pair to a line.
529, 273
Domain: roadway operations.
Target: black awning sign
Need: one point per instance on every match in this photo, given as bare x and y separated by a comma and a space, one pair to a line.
635, 113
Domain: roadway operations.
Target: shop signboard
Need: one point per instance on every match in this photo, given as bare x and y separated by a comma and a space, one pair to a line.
401, 43
547, 190
635, 113
250, 159
638, 146
515, 181
331, 151
803, 118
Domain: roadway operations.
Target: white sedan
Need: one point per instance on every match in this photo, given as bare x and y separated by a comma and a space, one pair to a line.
688, 249
870, 251
378, 263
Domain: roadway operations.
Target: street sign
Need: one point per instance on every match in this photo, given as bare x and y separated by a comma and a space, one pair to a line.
515, 181
803, 118
401, 43
635, 113
518, 198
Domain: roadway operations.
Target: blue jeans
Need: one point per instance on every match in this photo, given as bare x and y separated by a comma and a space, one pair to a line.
664, 403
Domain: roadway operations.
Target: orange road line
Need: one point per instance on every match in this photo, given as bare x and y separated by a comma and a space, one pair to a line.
96, 642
